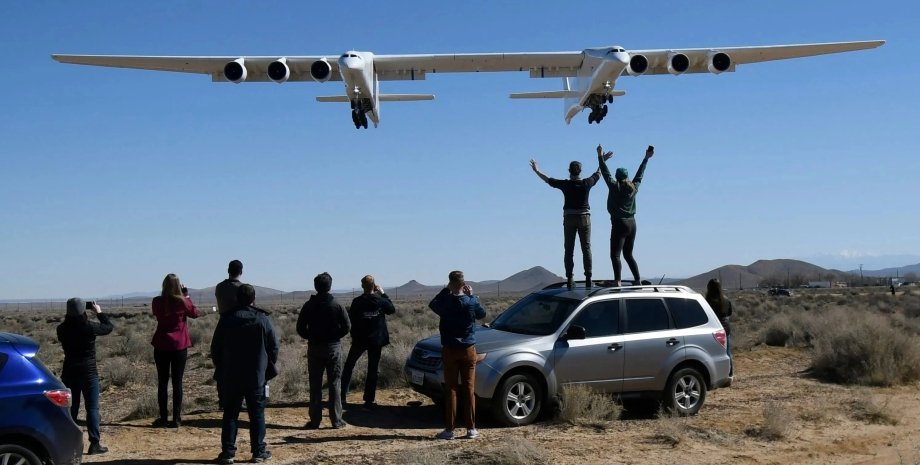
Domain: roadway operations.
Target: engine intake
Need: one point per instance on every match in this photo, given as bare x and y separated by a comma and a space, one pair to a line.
719, 62
678, 63
321, 70
638, 65
235, 71
279, 71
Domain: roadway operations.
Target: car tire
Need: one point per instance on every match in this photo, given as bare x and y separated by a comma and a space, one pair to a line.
685, 392
518, 400
11, 453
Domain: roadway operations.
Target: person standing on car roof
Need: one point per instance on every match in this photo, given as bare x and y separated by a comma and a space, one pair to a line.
458, 309
78, 339
724, 309
576, 215
621, 204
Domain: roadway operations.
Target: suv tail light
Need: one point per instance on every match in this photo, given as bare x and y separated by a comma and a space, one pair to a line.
59, 397
720, 337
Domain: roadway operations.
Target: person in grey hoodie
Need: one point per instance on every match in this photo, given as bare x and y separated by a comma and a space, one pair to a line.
323, 322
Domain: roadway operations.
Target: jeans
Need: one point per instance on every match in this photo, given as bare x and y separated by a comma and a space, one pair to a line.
622, 239
459, 369
88, 386
581, 225
255, 407
373, 363
170, 365
325, 358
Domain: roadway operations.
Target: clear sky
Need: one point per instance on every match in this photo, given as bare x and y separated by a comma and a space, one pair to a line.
112, 178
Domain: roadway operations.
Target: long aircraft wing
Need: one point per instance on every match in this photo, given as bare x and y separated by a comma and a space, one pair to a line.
415, 67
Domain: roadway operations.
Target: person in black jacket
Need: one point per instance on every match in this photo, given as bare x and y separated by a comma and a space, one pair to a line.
368, 334
323, 322
724, 309
576, 215
245, 348
78, 339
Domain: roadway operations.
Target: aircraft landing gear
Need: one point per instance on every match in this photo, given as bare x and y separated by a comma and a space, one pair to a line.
597, 114
359, 118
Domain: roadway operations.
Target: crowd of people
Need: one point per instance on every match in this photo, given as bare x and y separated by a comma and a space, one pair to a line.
245, 346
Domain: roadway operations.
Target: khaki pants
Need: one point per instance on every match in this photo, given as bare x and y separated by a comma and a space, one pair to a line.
460, 365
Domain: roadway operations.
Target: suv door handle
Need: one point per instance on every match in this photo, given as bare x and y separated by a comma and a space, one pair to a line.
614, 347
671, 342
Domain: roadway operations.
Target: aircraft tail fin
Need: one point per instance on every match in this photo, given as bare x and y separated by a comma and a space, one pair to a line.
546, 94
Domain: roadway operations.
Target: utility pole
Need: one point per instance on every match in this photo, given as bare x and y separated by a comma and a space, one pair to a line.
860, 274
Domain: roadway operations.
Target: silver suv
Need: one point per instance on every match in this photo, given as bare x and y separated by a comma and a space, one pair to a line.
661, 342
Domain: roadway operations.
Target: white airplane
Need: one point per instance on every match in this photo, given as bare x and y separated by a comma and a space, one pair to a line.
595, 70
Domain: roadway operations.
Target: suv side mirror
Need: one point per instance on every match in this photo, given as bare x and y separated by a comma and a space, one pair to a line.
574, 332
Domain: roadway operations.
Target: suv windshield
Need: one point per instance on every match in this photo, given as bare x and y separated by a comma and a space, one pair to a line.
536, 314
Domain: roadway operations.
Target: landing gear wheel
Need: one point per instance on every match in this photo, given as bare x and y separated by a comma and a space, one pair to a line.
518, 400
364, 120
604, 111
609, 99
591, 117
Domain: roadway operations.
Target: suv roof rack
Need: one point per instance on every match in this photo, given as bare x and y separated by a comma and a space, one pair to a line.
605, 287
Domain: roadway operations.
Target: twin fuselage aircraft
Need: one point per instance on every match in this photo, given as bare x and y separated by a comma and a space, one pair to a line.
594, 70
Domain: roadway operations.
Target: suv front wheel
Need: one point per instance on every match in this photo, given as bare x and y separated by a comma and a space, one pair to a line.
685, 392
518, 400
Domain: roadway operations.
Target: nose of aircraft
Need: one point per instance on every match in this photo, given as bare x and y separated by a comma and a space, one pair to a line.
622, 57
352, 62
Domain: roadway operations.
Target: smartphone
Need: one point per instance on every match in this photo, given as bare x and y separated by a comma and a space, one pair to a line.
184, 290
91, 305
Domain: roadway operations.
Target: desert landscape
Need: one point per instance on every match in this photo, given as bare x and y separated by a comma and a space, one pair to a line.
825, 376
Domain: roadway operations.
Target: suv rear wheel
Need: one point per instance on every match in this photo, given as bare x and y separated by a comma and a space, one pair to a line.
13, 455
685, 392
518, 400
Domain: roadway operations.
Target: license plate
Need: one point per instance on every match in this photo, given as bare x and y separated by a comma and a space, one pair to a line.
418, 377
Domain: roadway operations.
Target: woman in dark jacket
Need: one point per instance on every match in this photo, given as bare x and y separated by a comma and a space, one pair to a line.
170, 344
723, 308
78, 339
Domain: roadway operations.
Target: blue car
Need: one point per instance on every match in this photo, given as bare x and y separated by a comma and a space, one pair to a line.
35, 424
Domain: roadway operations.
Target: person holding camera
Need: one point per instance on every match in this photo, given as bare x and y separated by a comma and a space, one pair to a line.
458, 310
172, 308
576, 215
368, 334
77, 335
621, 204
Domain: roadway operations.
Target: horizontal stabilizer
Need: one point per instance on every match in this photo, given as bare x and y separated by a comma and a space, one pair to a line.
405, 97
383, 98
547, 94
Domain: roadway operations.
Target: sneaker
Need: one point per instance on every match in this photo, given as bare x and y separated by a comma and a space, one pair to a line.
472, 433
339, 425
174, 424
261, 457
446, 434
311, 425
370, 406
159, 423
96, 448
225, 459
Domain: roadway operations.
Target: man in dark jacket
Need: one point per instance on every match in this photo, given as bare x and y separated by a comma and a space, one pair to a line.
323, 322
459, 309
368, 333
576, 215
245, 350
225, 294
78, 339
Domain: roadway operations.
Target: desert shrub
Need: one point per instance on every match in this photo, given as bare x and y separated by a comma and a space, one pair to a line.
392, 361
581, 405
291, 384
670, 428
520, 452
777, 423
788, 330
145, 405
864, 349
116, 372
869, 410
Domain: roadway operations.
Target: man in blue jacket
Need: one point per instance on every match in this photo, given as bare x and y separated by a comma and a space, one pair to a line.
459, 309
245, 350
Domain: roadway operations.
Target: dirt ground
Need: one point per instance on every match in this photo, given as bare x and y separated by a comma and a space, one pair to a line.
773, 414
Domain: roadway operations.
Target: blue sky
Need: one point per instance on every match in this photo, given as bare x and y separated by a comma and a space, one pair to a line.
113, 178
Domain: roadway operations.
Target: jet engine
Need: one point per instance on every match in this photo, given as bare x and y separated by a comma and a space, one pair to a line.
321, 70
678, 63
279, 71
638, 65
719, 62
235, 71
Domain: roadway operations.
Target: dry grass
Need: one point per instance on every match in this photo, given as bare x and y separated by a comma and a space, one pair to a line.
581, 405
866, 409
777, 423
670, 428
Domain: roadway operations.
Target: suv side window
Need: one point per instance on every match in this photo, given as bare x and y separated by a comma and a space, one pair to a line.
599, 319
687, 313
646, 315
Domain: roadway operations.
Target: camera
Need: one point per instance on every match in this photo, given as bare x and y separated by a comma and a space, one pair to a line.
184, 290
91, 305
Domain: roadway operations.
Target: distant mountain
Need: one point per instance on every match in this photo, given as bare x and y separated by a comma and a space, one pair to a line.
519, 283
781, 270
890, 272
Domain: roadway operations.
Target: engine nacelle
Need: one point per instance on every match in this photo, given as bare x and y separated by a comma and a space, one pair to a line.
678, 63
638, 65
235, 71
279, 71
719, 62
321, 70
